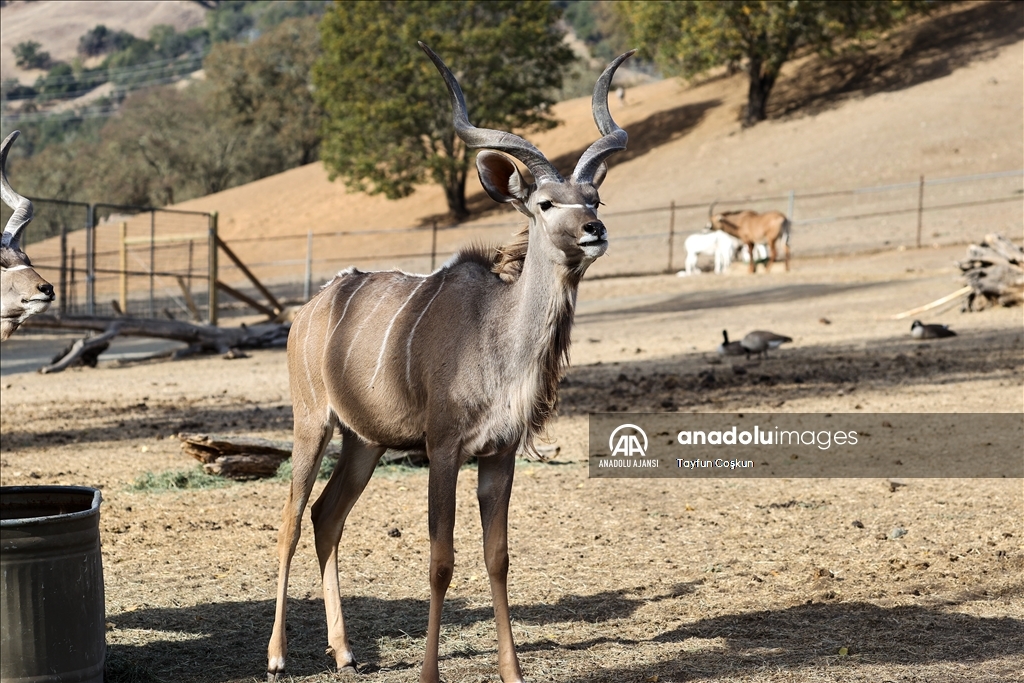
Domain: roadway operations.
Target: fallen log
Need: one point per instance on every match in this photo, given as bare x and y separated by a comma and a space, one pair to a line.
994, 271
240, 457
250, 457
200, 338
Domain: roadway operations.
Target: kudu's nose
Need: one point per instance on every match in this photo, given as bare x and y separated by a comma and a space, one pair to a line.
595, 228
46, 289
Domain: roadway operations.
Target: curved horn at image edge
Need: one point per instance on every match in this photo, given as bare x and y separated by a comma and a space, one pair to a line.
21, 206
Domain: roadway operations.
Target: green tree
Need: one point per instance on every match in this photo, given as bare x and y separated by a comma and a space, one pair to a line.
265, 87
179, 143
688, 37
388, 120
28, 55
101, 40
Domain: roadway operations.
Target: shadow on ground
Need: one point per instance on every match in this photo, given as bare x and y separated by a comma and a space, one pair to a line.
696, 380
704, 381
752, 296
928, 51
227, 641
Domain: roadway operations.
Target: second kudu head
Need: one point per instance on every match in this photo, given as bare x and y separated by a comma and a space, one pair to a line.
563, 210
23, 293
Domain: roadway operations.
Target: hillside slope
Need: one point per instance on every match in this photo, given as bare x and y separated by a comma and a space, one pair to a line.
22, 21
687, 145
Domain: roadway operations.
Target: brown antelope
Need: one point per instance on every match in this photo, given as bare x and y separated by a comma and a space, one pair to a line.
462, 362
753, 228
23, 293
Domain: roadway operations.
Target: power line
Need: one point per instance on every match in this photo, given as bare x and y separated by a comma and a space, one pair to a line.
111, 74
192, 63
31, 117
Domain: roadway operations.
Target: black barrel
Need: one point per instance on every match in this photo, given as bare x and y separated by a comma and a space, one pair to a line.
51, 575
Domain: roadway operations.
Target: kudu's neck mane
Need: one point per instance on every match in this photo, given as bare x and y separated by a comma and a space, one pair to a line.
546, 298
539, 315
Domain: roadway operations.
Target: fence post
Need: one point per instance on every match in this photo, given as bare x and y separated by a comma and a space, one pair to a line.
124, 268
71, 283
152, 264
63, 267
307, 284
212, 269
433, 244
920, 210
671, 232
90, 260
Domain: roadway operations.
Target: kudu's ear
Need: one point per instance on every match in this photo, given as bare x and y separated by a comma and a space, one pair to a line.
501, 179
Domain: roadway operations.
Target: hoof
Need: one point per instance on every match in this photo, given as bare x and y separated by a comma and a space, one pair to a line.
275, 670
349, 667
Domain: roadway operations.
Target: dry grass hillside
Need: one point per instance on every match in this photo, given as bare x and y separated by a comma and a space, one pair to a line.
941, 97
58, 24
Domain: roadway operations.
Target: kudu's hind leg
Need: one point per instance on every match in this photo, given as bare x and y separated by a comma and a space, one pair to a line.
311, 438
493, 491
352, 472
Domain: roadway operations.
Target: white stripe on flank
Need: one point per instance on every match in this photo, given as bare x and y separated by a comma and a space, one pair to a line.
387, 333
305, 350
330, 314
352, 343
412, 332
330, 334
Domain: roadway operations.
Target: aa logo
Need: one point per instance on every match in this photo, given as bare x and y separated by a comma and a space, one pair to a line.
628, 444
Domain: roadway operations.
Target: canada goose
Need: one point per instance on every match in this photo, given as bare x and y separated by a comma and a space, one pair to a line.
728, 348
759, 341
919, 330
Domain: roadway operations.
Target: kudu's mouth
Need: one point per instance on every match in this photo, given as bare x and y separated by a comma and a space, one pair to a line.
594, 241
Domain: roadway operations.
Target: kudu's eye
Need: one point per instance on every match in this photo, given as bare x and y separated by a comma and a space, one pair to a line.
544, 206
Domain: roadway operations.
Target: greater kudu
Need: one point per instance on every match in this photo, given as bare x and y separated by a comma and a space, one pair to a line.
462, 362
753, 228
23, 293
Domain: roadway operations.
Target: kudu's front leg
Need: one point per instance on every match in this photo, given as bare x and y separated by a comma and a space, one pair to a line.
493, 492
444, 474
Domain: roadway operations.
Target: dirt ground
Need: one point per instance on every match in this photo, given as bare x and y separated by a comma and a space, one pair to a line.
611, 580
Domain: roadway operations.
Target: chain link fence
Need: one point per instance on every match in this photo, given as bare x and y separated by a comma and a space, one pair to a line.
151, 262
105, 260
50, 241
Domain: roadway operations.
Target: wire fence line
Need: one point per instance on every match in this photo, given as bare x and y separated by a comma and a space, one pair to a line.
949, 210
158, 262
